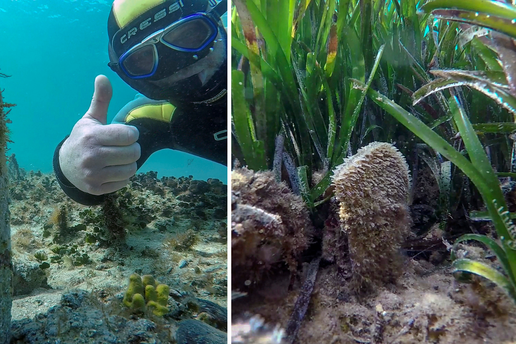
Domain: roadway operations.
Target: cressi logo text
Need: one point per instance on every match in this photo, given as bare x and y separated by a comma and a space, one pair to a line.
147, 22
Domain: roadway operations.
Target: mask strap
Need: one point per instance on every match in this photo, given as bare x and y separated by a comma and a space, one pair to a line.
221, 8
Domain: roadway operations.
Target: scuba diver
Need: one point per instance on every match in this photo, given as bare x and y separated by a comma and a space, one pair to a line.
174, 53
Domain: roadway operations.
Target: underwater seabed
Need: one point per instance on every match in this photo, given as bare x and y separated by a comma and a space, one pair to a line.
72, 263
426, 303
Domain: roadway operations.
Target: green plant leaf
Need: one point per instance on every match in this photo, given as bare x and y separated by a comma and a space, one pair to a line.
486, 54
506, 174
491, 244
501, 24
490, 192
475, 150
484, 270
280, 15
244, 128
321, 187
353, 96
495, 128
256, 73
416, 67
477, 215
350, 119
348, 126
489, 83
366, 12
302, 173
506, 50
287, 86
493, 8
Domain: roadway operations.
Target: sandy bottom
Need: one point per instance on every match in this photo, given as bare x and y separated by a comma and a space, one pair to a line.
428, 305
173, 229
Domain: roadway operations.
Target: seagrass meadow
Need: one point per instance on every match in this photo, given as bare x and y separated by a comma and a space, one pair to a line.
373, 167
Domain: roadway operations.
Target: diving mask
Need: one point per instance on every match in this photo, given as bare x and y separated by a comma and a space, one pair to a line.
182, 43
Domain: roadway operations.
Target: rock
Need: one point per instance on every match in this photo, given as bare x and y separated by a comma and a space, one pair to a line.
197, 332
27, 277
199, 187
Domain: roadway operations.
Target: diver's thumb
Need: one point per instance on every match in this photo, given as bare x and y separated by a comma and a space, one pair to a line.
101, 98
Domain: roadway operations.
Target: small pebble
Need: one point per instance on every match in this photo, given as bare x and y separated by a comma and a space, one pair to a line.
214, 268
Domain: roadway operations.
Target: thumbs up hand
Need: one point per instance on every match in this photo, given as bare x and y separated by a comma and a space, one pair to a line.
97, 157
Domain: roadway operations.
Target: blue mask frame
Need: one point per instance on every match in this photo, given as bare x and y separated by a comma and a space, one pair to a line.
148, 47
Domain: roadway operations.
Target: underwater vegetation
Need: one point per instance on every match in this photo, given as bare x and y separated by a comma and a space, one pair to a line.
183, 241
315, 81
5, 235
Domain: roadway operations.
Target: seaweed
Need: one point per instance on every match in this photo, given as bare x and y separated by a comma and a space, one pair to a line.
113, 218
6, 272
183, 241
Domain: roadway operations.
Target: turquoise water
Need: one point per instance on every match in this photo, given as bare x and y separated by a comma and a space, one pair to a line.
54, 49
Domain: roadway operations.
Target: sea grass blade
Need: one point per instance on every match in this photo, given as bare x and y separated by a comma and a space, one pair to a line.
302, 302
351, 119
329, 66
416, 67
244, 127
248, 28
489, 83
495, 128
501, 24
475, 150
484, 270
487, 190
490, 243
280, 15
507, 174
477, 215
366, 33
342, 11
353, 97
286, 85
489, 56
506, 49
493, 8
300, 12
348, 125
332, 125
304, 186
496, 78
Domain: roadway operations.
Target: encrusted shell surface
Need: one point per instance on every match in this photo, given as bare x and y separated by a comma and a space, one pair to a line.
372, 189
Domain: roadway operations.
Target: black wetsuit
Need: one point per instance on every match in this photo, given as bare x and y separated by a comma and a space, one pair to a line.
198, 129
